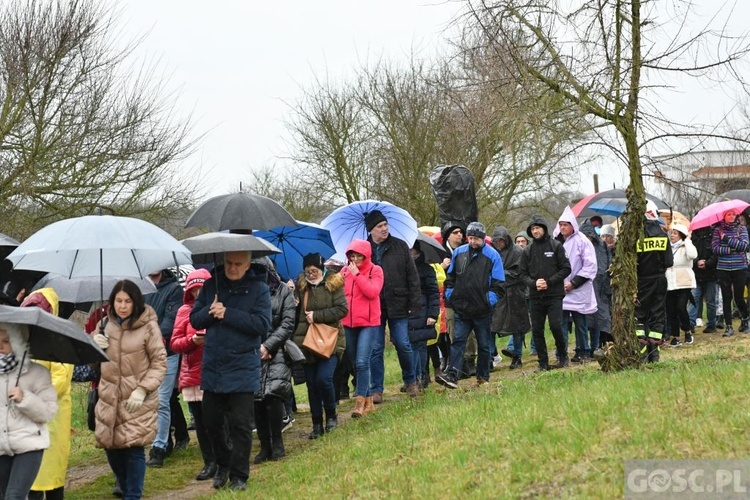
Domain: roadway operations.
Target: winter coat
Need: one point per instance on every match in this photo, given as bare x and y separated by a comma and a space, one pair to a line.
137, 358
275, 373
511, 312
654, 253
54, 468
544, 258
166, 301
601, 320
473, 281
328, 303
183, 333
681, 274
231, 352
363, 290
730, 242
701, 239
418, 328
24, 424
400, 296
583, 267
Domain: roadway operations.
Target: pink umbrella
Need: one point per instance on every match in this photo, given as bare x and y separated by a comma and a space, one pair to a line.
713, 213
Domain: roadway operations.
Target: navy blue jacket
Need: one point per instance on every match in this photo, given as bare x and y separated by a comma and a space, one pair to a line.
231, 352
166, 301
473, 283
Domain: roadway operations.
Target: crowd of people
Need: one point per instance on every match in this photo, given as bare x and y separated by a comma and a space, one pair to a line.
235, 340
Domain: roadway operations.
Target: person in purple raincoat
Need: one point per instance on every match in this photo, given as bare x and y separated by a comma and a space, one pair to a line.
580, 299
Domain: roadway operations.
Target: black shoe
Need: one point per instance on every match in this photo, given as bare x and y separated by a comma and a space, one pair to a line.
264, 455
543, 367
207, 472
728, 332
576, 359
688, 338
277, 449
744, 325
709, 329
221, 478
116, 490
516, 363
182, 444
156, 457
507, 353
237, 484
317, 431
448, 380
720, 324
331, 423
675, 342
191, 425
563, 363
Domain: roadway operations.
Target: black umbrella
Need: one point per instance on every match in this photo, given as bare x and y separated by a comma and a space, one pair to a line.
240, 211
734, 194
433, 251
210, 247
52, 338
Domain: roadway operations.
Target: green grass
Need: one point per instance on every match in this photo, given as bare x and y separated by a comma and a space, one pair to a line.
563, 433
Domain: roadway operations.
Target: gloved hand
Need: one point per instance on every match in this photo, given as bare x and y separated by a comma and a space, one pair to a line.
101, 340
135, 401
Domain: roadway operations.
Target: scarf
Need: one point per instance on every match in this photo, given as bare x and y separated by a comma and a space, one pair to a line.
8, 362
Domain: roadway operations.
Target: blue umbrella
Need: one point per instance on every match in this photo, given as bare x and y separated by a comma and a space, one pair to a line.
348, 222
295, 242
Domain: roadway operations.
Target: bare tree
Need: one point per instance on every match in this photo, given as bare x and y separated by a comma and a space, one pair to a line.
294, 191
82, 126
594, 54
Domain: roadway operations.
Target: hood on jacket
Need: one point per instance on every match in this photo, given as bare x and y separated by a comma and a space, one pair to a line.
45, 299
567, 216
448, 228
501, 233
19, 339
524, 235
265, 266
587, 228
362, 247
194, 280
537, 220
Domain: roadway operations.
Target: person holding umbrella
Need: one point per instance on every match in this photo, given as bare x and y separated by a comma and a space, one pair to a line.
31, 403
128, 398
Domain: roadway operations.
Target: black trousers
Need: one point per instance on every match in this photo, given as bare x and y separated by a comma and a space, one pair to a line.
204, 442
238, 411
732, 285
177, 417
650, 308
677, 313
541, 309
268, 415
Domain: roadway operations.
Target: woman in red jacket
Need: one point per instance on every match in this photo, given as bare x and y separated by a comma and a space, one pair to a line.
363, 281
189, 342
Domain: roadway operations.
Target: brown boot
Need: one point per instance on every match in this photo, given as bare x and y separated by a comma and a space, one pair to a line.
359, 407
412, 390
369, 405
377, 397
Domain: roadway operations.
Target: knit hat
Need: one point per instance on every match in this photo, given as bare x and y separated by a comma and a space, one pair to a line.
313, 259
476, 229
196, 278
374, 218
607, 230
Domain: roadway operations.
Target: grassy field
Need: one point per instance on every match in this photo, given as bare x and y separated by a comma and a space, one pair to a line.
563, 433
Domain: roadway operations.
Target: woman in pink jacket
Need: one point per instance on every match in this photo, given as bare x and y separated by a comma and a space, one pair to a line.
363, 281
187, 341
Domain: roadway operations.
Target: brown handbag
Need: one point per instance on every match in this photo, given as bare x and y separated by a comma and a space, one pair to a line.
320, 338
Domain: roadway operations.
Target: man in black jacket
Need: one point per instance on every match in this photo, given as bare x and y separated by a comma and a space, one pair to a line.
544, 268
399, 298
704, 267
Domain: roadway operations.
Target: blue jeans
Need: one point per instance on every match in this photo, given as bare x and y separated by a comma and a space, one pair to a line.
706, 290
129, 466
581, 329
320, 391
515, 344
359, 343
17, 474
481, 327
399, 330
419, 358
165, 392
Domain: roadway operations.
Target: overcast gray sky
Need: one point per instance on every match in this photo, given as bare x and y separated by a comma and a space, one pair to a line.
235, 64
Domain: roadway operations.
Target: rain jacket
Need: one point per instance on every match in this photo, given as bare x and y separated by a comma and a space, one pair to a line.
24, 424
473, 283
166, 301
137, 358
511, 313
418, 328
231, 352
681, 274
400, 295
582, 257
544, 258
363, 290
602, 319
328, 303
275, 373
183, 333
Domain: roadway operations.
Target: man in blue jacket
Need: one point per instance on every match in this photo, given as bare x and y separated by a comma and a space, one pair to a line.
234, 307
473, 286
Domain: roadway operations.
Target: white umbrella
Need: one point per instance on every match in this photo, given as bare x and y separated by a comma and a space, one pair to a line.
89, 288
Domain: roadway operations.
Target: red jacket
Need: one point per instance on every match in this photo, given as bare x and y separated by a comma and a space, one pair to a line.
363, 290
183, 333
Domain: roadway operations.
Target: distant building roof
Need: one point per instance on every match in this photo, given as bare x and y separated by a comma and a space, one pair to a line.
723, 172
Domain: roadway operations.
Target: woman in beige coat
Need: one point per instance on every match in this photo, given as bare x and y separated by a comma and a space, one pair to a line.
128, 399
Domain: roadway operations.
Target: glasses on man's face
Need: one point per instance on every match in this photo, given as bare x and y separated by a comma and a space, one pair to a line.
312, 272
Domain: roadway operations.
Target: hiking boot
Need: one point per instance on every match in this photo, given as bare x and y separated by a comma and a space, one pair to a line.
728, 332
156, 457
377, 398
359, 407
675, 342
317, 430
449, 380
507, 353
412, 390
369, 406
744, 326
331, 423
688, 338
207, 472
515, 363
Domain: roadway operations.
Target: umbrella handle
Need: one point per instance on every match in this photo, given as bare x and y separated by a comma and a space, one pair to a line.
20, 367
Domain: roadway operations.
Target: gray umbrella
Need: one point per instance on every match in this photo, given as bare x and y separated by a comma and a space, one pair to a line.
210, 247
52, 338
240, 211
90, 288
734, 194
433, 251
